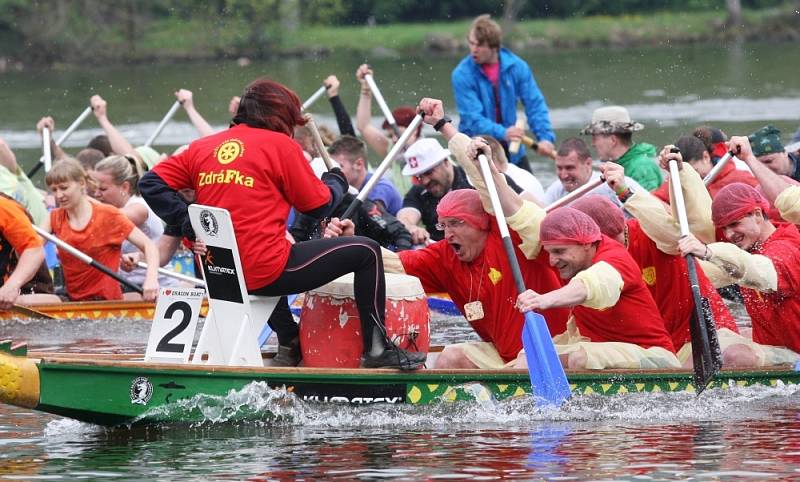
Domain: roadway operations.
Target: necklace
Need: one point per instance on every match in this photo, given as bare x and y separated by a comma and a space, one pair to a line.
473, 310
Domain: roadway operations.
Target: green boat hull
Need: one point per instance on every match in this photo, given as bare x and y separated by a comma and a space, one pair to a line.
109, 391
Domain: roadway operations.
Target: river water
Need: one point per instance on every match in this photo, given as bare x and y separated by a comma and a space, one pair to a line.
737, 433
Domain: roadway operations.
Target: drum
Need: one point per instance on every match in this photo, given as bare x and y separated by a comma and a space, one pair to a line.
330, 328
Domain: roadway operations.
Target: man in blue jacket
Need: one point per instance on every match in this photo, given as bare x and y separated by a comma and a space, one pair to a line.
487, 84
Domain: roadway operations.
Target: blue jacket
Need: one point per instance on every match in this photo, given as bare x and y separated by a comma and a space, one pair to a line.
475, 99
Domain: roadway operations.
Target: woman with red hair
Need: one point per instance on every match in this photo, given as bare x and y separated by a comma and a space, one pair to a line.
257, 172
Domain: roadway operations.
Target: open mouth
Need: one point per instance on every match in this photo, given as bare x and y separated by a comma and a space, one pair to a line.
457, 248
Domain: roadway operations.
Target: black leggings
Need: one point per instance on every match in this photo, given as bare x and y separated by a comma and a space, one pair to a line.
313, 263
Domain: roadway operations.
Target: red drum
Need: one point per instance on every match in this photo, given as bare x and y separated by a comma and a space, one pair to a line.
330, 328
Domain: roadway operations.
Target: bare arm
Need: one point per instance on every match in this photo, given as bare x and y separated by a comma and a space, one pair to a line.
185, 98
376, 140
27, 266
141, 241
119, 144
771, 183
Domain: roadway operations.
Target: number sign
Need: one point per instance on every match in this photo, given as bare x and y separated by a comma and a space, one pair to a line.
174, 325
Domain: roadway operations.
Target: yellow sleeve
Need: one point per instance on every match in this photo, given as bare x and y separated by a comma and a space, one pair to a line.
749, 270
698, 205
526, 222
658, 224
458, 147
788, 203
718, 277
603, 285
391, 262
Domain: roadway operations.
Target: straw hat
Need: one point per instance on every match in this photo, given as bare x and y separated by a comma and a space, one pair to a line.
611, 120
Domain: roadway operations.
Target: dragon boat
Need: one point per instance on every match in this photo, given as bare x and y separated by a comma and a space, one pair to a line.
124, 390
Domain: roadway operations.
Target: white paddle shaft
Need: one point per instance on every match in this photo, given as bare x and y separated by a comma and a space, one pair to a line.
48, 156
717, 168
316, 95
75, 124
592, 184
677, 192
379, 98
387, 161
171, 112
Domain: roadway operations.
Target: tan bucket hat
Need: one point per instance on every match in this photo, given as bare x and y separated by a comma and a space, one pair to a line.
613, 119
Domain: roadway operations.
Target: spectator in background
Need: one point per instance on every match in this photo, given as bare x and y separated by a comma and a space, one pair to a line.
487, 84
612, 137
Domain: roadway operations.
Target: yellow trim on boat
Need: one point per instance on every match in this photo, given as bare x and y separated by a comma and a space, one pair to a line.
19, 381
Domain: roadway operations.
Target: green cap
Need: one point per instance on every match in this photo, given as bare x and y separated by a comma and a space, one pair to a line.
766, 140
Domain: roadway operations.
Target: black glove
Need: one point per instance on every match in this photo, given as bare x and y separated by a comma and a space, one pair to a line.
335, 179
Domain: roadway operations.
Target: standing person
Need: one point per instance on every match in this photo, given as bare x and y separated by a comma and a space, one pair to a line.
486, 86
612, 137
117, 180
96, 229
257, 172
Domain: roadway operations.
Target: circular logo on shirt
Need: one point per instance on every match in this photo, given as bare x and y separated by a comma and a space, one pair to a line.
229, 151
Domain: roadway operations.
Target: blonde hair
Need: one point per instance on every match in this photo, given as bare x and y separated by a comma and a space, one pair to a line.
68, 170
122, 168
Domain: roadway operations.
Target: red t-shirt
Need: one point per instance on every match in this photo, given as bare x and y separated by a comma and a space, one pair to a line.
257, 175
776, 315
667, 278
101, 239
635, 318
487, 278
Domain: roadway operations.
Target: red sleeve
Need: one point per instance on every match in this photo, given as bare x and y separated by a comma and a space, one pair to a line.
426, 264
785, 256
300, 186
175, 170
16, 228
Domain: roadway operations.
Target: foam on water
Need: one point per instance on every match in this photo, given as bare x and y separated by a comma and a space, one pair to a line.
259, 403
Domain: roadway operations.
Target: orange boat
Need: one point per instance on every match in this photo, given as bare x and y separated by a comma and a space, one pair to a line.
95, 310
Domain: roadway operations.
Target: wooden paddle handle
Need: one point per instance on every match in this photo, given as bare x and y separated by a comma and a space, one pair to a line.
323, 151
513, 147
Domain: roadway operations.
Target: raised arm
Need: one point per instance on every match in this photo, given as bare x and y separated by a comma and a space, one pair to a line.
55, 149
771, 183
186, 99
376, 140
119, 144
342, 117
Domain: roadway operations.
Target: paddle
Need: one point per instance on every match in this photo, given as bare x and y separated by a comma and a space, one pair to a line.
171, 112
376, 176
30, 313
86, 259
323, 151
717, 167
75, 124
548, 380
174, 274
592, 184
316, 95
533, 144
382, 104
48, 156
705, 345
513, 146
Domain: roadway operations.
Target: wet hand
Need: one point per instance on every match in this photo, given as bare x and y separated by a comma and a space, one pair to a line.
432, 109
667, 155
185, 97
740, 146
99, 106
689, 244
614, 175
233, 105
332, 85
529, 300
339, 227
46, 122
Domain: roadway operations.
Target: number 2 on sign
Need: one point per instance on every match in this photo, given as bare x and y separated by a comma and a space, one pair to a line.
174, 325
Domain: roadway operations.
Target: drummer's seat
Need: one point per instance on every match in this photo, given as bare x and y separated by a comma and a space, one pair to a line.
235, 318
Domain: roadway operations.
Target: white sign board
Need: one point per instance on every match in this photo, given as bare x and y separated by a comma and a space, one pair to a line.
174, 325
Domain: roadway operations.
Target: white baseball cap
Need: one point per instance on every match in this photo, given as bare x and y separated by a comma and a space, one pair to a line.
423, 155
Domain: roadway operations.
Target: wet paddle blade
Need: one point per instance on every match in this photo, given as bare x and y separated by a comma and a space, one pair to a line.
706, 353
30, 313
548, 381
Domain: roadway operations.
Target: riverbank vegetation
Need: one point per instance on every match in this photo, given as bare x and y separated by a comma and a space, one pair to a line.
95, 31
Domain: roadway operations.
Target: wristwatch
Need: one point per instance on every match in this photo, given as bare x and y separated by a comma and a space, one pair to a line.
444, 120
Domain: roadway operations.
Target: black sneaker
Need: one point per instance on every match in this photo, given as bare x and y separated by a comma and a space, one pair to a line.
394, 357
288, 356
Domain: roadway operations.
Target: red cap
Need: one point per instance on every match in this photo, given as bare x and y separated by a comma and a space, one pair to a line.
568, 226
464, 204
603, 211
735, 201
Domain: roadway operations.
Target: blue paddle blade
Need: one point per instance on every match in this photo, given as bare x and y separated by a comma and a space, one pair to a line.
548, 381
267, 331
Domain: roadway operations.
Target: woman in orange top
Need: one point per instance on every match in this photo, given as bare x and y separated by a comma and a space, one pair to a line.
96, 229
